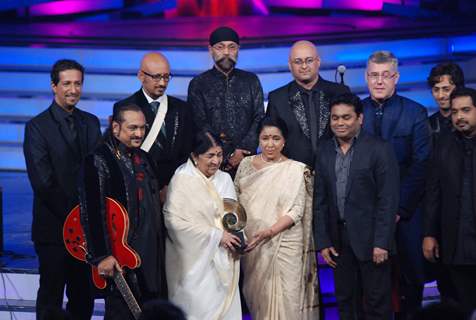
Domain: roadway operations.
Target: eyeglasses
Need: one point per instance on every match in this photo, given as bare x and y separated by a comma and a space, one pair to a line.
307, 61
222, 47
157, 77
386, 76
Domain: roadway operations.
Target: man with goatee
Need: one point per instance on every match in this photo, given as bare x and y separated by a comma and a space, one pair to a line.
449, 224
228, 101
304, 103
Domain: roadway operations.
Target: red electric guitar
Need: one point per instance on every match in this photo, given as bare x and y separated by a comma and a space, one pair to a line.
118, 228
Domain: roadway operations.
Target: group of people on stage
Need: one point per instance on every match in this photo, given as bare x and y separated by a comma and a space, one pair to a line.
374, 185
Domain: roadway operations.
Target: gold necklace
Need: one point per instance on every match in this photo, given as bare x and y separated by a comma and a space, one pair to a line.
270, 161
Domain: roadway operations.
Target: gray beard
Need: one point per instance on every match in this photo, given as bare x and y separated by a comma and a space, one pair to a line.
226, 64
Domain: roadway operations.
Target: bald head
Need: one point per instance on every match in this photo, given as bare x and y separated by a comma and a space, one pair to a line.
303, 45
304, 63
154, 74
153, 59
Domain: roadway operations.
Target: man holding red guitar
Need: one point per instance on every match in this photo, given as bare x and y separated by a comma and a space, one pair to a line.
121, 216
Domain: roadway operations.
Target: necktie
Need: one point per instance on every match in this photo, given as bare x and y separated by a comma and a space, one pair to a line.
154, 106
378, 120
72, 126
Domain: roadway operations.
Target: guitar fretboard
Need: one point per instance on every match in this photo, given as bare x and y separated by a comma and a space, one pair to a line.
126, 293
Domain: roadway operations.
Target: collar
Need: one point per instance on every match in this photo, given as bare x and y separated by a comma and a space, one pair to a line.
442, 117
465, 140
123, 149
386, 102
218, 73
150, 100
297, 87
353, 141
60, 113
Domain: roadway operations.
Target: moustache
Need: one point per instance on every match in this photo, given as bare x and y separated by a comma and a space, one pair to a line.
227, 59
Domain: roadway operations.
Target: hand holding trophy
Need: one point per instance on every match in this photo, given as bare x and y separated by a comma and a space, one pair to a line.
234, 221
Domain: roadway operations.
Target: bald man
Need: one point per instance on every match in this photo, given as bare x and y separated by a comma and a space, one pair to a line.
169, 120
304, 103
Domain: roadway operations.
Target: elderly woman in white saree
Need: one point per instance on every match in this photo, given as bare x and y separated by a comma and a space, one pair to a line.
202, 271
279, 270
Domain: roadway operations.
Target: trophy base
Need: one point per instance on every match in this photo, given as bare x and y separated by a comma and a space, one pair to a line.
241, 248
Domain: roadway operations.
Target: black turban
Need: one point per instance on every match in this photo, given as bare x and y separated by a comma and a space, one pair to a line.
223, 34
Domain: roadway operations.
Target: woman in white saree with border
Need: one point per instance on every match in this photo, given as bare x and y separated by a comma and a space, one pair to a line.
202, 271
279, 270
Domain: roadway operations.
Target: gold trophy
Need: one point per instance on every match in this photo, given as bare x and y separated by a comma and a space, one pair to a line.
234, 221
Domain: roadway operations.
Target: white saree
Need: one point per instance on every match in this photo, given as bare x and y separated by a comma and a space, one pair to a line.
202, 277
280, 276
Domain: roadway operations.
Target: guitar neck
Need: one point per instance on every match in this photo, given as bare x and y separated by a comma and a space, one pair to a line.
126, 293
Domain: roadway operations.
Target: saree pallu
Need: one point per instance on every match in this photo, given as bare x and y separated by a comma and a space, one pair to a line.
280, 276
201, 276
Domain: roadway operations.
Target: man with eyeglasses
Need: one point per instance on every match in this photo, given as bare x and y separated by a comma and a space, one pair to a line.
170, 128
228, 101
404, 123
304, 103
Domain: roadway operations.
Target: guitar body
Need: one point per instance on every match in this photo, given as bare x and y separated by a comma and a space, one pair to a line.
117, 227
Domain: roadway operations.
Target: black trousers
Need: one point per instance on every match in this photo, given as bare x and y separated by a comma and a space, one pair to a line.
352, 277
464, 280
445, 285
57, 270
412, 265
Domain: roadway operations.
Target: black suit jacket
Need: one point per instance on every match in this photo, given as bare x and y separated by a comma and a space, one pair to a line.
167, 153
443, 193
53, 162
372, 197
298, 146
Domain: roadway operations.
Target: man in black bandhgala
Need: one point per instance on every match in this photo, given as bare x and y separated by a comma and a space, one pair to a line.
228, 101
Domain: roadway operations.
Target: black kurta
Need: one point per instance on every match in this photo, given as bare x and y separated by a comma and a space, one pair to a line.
229, 106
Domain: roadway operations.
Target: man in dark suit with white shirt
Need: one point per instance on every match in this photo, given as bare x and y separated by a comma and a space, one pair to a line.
169, 119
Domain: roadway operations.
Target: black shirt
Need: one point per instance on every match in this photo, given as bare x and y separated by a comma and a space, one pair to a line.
439, 123
466, 243
143, 231
342, 169
230, 106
